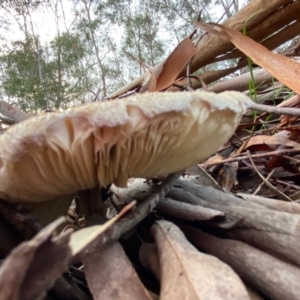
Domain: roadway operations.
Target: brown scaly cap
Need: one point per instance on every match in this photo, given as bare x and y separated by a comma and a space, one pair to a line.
145, 135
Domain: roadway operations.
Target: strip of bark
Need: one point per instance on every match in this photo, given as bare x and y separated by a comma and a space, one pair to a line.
275, 278
271, 231
293, 208
187, 211
241, 83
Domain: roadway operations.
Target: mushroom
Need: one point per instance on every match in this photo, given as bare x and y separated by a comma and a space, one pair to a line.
145, 135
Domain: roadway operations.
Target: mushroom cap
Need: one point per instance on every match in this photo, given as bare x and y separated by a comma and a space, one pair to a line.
145, 135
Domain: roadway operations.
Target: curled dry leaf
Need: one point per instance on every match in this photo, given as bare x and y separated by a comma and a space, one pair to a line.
165, 73
268, 142
110, 275
175, 63
26, 274
146, 135
285, 69
187, 273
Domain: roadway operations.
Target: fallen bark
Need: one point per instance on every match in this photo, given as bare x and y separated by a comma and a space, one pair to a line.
110, 275
275, 278
186, 211
269, 230
186, 273
290, 207
241, 83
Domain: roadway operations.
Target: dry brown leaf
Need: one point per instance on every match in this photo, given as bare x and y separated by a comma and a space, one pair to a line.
187, 273
268, 142
175, 63
110, 275
82, 238
26, 274
285, 69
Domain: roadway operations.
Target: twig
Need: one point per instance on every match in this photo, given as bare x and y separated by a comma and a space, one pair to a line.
261, 155
289, 185
270, 186
276, 110
263, 183
133, 217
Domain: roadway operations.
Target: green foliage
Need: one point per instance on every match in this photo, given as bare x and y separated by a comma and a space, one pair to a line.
43, 78
105, 45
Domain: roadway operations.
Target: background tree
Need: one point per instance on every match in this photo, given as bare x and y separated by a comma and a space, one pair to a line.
95, 46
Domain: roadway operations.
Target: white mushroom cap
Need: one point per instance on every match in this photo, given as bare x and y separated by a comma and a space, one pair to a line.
145, 135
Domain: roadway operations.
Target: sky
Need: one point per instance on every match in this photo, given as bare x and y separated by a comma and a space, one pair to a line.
44, 21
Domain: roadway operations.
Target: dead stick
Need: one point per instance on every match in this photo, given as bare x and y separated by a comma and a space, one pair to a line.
276, 110
240, 158
275, 278
132, 218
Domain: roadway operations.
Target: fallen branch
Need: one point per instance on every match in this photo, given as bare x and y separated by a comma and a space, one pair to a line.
253, 265
131, 219
187, 211
279, 205
276, 110
269, 230
244, 157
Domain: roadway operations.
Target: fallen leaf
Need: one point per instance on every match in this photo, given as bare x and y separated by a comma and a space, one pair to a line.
110, 275
80, 239
175, 63
285, 69
268, 142
187, 273
32, 267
